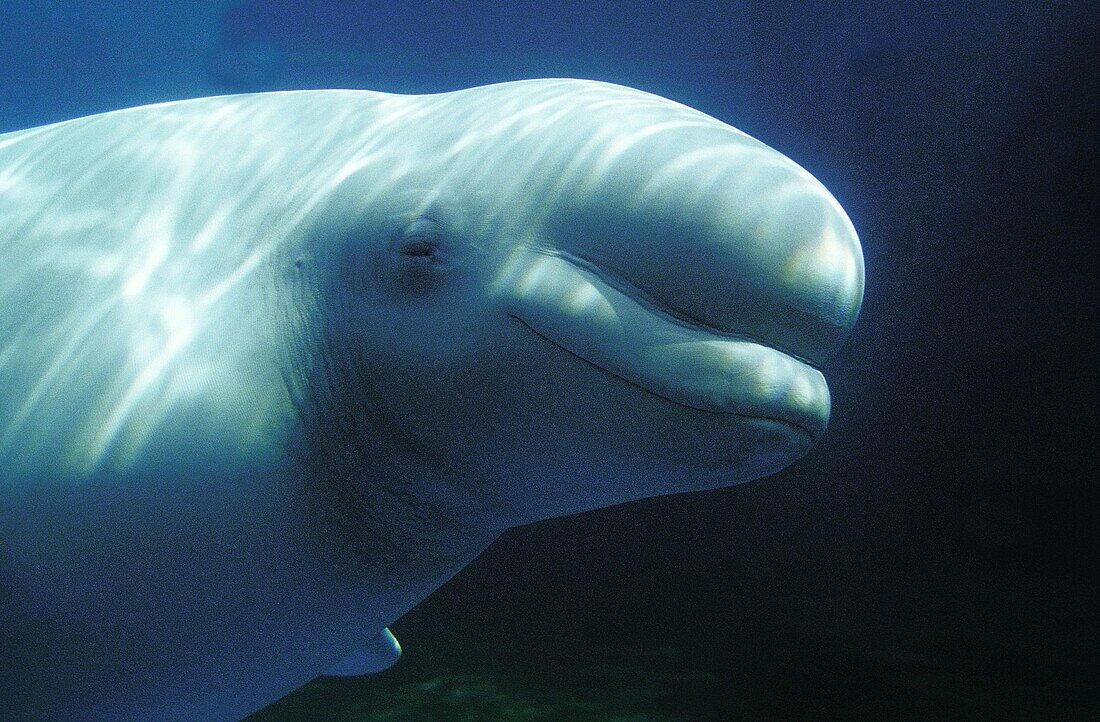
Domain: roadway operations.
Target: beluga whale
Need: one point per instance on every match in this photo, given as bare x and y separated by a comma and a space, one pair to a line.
274, 367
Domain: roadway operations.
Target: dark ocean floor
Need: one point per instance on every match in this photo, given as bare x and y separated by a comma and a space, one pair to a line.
665, 684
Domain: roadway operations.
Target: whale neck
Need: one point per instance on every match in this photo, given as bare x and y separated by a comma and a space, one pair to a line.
400, 521
401, 510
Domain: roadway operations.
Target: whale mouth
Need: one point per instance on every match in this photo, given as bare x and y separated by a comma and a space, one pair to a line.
794, 426
618, 328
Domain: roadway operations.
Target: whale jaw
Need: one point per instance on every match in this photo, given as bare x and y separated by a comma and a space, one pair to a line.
627, 337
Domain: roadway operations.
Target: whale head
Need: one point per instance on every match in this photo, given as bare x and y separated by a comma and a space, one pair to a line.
571, 294
274, 367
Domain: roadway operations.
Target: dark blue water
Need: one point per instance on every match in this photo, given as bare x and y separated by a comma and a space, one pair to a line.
934, 556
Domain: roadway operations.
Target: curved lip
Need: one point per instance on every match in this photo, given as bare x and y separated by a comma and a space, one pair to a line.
669, 313
681, 339
792, 425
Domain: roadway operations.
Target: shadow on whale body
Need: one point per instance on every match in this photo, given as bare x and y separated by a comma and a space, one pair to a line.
274, 367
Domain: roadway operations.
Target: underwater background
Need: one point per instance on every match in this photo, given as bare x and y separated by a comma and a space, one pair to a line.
935, 556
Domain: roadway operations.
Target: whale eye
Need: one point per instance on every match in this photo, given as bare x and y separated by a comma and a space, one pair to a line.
419, 256
419, 249
420, 244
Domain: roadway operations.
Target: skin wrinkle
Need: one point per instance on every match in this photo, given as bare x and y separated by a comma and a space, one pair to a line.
343, 432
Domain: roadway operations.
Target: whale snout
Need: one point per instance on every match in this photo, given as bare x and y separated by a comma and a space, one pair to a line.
740, 240
709, 270
788, 261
